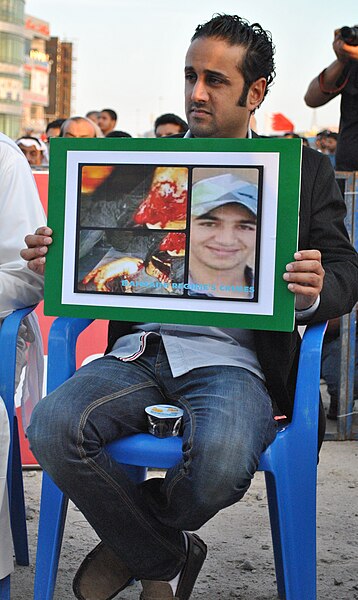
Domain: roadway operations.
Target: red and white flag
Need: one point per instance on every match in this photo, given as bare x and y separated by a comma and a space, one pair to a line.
280, 123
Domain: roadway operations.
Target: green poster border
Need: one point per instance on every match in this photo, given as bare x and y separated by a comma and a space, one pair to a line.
286, 241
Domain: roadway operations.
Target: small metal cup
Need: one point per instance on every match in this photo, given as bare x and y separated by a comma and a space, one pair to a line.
164, 420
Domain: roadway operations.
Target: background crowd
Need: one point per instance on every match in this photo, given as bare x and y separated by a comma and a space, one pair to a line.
102, 124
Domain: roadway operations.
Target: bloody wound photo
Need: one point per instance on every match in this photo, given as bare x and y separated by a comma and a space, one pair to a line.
128, 196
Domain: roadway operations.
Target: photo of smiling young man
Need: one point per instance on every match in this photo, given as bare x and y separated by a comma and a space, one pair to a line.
223, 236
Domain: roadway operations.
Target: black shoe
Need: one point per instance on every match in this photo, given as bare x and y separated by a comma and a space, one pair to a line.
101, 576
162, 590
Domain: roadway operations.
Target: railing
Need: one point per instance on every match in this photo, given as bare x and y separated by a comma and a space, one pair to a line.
347, 422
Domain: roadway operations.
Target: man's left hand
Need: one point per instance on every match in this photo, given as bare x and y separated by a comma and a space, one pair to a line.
305, 276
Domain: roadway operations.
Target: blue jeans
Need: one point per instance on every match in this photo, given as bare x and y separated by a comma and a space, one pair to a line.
227, 424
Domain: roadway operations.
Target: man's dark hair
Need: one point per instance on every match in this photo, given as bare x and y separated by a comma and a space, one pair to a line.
258, 61
171, 118
92, 112
112, 113
115, 133
54, 124
292, 135
323, 134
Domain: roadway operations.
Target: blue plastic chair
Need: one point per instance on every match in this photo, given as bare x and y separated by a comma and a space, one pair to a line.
8, 337
290, 466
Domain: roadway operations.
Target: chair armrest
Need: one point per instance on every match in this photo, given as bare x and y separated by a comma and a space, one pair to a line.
62, 342
306, 406
8, 338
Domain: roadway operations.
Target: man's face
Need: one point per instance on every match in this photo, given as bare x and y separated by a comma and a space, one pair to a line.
331, 144
33, 155
79, 129
94, 116
167, 129
105, 122
53, 132
223, 239
213, 87
321, 143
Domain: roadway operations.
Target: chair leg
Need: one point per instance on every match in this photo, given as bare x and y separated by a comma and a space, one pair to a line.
53, 511
5, 588
275, 533
18, 512
294, 530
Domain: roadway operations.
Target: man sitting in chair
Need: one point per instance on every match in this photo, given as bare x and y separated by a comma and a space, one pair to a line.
224, 379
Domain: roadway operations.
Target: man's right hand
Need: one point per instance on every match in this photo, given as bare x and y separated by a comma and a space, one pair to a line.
37, 245
343, 51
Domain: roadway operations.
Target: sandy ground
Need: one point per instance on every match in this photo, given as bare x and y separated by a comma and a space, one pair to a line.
240, 560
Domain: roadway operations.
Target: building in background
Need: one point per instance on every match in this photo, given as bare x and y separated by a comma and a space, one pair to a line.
60, 83
36, 75
36, 72
12, 46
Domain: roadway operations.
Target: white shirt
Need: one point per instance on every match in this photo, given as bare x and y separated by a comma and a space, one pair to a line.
6, 560
21, 213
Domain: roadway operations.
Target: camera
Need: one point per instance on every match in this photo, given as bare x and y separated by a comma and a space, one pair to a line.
350, 35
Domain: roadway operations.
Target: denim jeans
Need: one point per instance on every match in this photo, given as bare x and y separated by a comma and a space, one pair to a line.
228, 422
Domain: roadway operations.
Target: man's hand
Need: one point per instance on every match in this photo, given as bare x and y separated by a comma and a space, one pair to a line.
343, 51
305, 276
36, 250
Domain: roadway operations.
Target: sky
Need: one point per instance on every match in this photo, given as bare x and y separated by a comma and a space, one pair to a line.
130, 53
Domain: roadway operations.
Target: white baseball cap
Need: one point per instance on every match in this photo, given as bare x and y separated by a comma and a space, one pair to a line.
213, 192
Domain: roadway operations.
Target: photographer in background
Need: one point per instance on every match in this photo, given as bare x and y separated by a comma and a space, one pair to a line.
341, 77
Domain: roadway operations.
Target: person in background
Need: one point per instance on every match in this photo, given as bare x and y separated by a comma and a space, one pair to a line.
35, 151
320, 141
107, 120
53, 128
116, 134
93, 115
340, 78
305, 141
169, 124
331, 147
291, 136
80, 127
20, 208
225, 379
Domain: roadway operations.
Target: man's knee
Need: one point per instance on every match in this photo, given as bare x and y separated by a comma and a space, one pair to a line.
224, 481
49, 432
